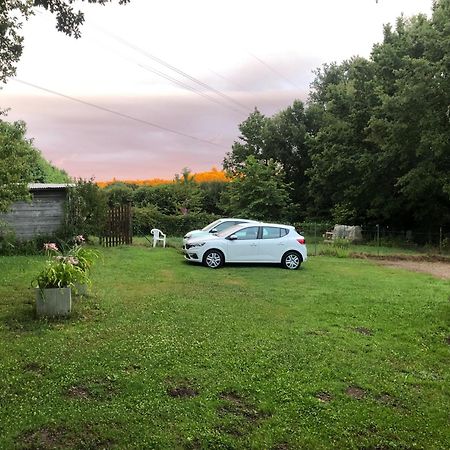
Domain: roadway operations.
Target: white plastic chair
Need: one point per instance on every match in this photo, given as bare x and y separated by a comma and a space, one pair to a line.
158, 235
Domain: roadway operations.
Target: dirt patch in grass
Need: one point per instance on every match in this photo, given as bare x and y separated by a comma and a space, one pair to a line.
402, 257
79, 391
237, 405
281, 446
363, 330
232, 429
99, 389
130, 368
317, 332
60, 437
438, 266
437, 269
181, 388
324, 397
355, 392
388, 400
34, 367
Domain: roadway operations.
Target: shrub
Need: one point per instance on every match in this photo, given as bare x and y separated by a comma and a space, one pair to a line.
338, 248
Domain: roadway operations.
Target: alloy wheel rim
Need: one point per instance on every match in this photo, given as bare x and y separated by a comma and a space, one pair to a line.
292, 261
213, 260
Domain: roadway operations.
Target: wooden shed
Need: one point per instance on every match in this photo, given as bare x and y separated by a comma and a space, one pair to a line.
42, 216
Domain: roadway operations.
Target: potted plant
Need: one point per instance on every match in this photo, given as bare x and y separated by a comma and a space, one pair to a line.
54, 282
85, 259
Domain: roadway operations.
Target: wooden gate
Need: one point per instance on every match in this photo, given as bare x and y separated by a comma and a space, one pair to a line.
119, 228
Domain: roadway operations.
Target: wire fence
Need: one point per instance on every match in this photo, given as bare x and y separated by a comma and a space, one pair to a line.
375, 239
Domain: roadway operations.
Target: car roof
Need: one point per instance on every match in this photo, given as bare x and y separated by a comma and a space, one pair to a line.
234, 218
259, 224
280, 225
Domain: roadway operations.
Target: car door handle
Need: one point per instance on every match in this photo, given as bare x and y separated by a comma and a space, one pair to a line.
252, 245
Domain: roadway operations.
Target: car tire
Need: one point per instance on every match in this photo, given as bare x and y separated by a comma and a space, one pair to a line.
213, 259
291, 260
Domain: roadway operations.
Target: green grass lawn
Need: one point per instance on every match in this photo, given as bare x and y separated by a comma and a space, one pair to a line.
340, 354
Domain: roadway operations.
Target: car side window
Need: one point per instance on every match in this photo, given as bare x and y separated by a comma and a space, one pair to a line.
272, 232
223, 226
247, 234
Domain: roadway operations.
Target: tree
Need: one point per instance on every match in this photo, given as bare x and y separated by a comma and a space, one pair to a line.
22, 163
14, 12
87, 209
187, 193
16, 160
258, 192
251, 143
379, 151
281, 138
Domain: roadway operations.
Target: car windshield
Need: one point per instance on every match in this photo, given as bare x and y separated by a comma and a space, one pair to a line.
229, 231
211, 225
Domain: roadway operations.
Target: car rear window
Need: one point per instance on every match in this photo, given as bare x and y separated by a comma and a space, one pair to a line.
274, 232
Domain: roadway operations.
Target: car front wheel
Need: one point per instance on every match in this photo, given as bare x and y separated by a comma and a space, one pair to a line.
213, 259
291, 260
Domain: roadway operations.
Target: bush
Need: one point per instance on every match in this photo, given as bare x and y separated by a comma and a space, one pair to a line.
10, 246
144, 219
338, 248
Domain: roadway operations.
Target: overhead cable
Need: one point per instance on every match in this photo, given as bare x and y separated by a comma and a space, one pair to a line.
118, 113
177, 70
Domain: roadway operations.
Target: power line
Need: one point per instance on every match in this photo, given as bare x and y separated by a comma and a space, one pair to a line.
117, 113
177, 82
176, 69
272, 69
186, 86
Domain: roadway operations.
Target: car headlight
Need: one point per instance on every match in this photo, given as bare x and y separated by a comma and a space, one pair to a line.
199, 244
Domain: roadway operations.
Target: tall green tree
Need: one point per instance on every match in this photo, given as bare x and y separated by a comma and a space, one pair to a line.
14, 12
258, 191
380, 151
22, 163
251, 143
282, 139
16, 158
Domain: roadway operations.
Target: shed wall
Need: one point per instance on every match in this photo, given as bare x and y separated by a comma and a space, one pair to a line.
44, 215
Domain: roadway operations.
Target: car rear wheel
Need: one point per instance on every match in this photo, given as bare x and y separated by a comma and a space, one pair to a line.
291, 260
213, 259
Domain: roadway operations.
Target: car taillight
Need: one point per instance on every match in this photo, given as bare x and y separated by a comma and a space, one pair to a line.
301, 241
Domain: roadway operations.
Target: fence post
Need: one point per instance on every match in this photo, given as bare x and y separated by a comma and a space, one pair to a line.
378, 240
440, 240
315, 239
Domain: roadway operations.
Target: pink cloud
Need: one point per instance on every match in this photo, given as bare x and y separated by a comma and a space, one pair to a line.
88, 142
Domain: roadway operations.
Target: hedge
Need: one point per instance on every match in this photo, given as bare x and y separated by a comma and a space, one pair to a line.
144, 219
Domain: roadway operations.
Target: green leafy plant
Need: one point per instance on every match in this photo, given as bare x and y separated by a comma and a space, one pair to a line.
85, 256
66, 270
60, 273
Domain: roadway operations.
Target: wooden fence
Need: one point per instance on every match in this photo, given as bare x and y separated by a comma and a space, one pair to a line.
119, 228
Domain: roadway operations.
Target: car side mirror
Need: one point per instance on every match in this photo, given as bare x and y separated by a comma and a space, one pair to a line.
214, 230
233, 237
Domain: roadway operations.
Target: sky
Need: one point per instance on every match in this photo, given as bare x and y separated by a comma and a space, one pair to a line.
153, 87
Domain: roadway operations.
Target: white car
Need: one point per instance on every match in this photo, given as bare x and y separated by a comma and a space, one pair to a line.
249, 243
214, 227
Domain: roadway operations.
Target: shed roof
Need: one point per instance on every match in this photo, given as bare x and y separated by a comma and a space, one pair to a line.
36, 186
